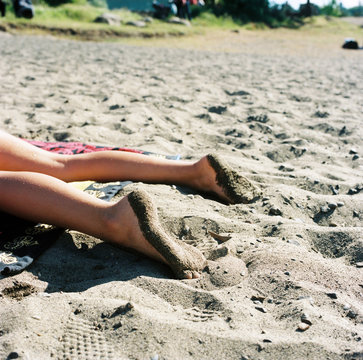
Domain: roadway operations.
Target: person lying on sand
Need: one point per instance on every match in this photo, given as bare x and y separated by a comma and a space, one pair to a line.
33, 185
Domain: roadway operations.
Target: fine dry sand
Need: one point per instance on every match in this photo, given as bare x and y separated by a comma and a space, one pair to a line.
286, 114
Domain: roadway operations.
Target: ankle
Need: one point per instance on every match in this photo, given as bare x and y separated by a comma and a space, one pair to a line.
115, 222
201, 174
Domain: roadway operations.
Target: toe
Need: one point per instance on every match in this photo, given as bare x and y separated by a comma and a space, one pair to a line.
188, 274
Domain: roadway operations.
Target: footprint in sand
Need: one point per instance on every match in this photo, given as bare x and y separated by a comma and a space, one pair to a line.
81, 341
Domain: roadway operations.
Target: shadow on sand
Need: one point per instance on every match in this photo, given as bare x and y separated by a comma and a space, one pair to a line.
78, 262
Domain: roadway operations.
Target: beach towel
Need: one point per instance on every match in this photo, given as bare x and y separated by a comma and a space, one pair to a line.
22, 241
71, 148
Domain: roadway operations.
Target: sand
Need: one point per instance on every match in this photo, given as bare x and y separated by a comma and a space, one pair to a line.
284, 279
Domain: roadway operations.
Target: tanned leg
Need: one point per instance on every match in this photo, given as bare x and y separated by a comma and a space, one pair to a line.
208, 175
18, 155
42, 198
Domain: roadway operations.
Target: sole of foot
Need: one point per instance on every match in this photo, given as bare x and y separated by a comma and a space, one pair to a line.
236, 187
186, 261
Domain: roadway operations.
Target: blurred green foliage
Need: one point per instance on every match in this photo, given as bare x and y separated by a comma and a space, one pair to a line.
216, 13
332, 9
257, 11
275, 15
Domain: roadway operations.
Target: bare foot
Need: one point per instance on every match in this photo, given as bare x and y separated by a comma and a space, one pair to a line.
141, 231
215, 176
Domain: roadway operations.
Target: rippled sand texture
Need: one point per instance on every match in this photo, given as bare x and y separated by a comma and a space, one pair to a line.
288, 282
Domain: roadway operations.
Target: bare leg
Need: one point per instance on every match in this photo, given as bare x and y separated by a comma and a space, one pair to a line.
17, 155
42, 198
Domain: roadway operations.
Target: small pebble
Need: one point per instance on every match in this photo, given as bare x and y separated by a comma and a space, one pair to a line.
346, 307
45, 294
324, 209
260, 308
173, 187
190, 196
335, 190
355, 157
305, 318
309, 298
352, 314
36, 317
353, 151
287, 273
258, 298
340, 203
294, 242
355, 214
155, 357
13, 355
267, 341
274, 211
359, 264
332, 295
303, 326
332, 205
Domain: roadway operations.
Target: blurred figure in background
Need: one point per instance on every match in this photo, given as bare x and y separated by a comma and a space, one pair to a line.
186, 6
180, 8
186, 10
162, 11
2, 8
23, 8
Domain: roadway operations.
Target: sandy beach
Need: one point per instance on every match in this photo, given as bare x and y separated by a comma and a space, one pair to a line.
285, 281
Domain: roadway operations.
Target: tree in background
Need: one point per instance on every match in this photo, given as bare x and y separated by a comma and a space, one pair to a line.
244, 10
332, 9
308, 9
356, 11
261, 11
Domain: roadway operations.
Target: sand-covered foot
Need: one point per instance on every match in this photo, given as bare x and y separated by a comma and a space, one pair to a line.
236, 187
219, 178
186, 261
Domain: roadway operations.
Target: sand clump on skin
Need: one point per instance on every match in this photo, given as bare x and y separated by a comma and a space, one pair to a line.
237, 188
182, 258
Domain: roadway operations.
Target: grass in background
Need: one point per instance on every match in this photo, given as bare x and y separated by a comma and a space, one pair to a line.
79, 19
76, 19
207, 19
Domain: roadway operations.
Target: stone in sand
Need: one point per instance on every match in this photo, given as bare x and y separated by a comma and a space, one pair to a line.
182, 258
235, 186
108, 18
